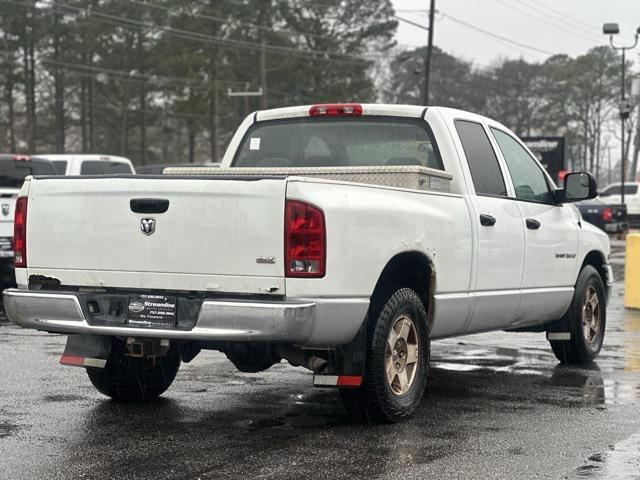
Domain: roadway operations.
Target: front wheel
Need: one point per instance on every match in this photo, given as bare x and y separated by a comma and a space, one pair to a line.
125, 378
397, 361
585, 321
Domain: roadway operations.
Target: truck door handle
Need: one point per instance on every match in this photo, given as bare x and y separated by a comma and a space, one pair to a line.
533, 224
487, 220
149, 205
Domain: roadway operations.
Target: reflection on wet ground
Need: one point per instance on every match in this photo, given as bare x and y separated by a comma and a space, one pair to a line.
498, 405
621, 461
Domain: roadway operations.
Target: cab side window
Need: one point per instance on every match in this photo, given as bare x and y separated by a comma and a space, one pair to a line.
529, 181
482, 160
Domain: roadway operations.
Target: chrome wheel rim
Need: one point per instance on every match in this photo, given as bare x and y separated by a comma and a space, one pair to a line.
401, 355
591, 315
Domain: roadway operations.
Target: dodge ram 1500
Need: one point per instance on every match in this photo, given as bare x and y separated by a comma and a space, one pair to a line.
343, 238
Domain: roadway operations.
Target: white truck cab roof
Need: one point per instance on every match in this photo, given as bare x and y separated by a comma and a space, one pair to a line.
89, 164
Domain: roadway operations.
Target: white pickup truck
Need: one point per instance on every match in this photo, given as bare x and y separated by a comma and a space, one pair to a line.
343, 238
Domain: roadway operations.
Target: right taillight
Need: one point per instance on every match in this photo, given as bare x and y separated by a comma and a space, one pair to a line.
20, 233
607, 214
305, 240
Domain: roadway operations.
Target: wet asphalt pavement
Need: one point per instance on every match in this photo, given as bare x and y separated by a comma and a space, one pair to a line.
498, 405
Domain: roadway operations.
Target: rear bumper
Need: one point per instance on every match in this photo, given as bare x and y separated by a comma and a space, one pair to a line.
299, 321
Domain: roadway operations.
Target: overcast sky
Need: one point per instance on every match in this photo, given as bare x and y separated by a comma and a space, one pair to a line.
547, 26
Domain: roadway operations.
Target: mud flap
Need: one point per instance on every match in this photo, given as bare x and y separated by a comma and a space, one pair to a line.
346, 367
84, 350
558, 336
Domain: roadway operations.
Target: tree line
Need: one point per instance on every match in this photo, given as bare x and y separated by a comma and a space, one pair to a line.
157, 80
151, 79
578, 98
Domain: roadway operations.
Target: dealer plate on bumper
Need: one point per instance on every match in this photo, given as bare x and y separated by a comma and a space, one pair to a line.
152, 311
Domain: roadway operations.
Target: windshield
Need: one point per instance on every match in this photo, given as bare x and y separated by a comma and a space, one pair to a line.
13, 172
339, 142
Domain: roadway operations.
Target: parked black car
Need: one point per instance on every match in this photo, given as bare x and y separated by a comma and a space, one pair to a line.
605, 216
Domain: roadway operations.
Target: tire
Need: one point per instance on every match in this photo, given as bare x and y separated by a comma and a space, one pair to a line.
390, 397
585, 322
133, 379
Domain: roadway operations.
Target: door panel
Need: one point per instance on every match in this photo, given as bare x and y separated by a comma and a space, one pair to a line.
499, 246
550, 236
500, 259
551, 250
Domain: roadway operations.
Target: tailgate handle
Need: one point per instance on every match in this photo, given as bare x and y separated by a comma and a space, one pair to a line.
149, 205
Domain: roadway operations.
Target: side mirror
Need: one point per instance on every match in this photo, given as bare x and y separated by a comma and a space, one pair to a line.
579, 186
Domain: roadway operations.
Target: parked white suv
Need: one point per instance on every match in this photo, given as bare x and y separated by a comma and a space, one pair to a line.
342, 238
88, 164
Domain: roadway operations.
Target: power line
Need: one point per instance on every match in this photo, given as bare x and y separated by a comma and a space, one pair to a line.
317, 55
410, 22
495, 36
563, 28
222, 20
565, 17
179, 81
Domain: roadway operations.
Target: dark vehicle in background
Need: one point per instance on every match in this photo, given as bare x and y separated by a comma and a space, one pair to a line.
157, 168
13, 170
613, 195
607, 217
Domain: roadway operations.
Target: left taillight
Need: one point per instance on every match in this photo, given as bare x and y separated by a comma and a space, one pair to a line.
305, 240
20, 233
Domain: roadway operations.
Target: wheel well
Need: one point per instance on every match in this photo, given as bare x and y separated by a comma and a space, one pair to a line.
597, 261
411, 270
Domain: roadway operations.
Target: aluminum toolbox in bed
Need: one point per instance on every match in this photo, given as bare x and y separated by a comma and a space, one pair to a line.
410, 176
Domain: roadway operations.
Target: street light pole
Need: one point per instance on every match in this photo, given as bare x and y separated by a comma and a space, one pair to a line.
612, 29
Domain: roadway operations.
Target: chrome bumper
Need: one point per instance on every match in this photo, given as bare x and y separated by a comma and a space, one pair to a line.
609, 281
218, 320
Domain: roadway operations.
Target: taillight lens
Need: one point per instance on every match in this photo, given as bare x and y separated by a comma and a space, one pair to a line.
20, 233
607, 214
305, 240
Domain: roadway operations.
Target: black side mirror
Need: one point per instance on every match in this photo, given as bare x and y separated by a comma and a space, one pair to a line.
579, 186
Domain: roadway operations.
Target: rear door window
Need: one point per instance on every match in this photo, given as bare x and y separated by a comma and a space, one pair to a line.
483, 163
339, 142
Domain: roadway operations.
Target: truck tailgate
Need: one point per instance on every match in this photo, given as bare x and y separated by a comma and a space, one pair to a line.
84, 232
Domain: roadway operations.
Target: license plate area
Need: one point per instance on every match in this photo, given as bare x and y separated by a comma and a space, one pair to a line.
152, 311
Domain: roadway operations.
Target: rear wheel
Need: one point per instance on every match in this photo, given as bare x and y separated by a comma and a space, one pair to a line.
126, 378
585, 321
397, 361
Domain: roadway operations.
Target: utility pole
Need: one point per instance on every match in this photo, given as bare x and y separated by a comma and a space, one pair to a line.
246, 94
264, 12
427, 60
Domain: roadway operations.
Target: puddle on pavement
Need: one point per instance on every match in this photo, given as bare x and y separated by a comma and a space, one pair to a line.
7, 429
64, 398
619, 463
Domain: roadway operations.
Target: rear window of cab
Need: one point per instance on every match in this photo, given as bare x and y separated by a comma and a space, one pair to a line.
13, 172
339, 142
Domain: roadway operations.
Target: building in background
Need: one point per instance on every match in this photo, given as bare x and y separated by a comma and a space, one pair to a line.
550, 152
